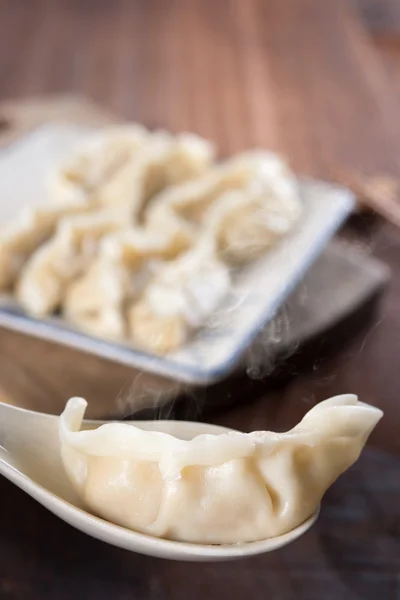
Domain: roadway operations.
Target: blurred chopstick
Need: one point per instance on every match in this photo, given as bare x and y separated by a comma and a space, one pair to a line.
381, 193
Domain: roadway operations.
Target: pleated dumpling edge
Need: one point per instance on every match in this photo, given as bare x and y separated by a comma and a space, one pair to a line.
219, 489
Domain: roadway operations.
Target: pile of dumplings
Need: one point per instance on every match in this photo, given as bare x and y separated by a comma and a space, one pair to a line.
142, 233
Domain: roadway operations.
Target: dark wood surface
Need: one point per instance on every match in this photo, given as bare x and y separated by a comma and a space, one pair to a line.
301, 76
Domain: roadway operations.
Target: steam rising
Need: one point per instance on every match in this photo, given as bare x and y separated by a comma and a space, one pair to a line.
272, 344
151, 397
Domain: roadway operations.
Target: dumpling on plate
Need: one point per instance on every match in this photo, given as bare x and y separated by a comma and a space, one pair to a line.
214, 489
95, 301
193, 199
249, 221
164, 160
134, 245
158, 332
127, 261
179, 299
190, 157
94, 161
19, 239
59, 261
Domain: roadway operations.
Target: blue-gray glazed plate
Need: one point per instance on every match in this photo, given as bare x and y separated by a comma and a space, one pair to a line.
257, 292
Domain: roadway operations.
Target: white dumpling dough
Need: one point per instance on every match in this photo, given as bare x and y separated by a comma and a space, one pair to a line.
95, 301
147, 198
191, 199
19, 239
179, 299
248, 171
64, 257
94, 161
163, 161
247, 222
127, 261
134, 245
215, 489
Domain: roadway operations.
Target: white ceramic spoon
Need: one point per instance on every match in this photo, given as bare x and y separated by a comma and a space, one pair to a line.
30, 458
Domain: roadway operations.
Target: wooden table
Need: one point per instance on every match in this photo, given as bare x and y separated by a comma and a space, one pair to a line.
302, 77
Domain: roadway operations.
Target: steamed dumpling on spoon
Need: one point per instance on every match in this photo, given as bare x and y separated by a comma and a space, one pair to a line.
214, 489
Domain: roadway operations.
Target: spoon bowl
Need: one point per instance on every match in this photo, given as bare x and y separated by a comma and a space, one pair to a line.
30, 458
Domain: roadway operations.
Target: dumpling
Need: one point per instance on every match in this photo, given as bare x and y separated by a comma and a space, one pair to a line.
156, 331
179, 299
192, 199
190, 157
20, 239
214, 489
95, 301
163, 161
248, 222
134, 245
139, 178
95, 161
60, 260
128, 259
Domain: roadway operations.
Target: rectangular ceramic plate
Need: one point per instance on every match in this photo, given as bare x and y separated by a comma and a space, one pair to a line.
257, 292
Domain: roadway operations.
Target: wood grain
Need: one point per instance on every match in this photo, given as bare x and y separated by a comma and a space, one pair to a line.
301, 77
223, 69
